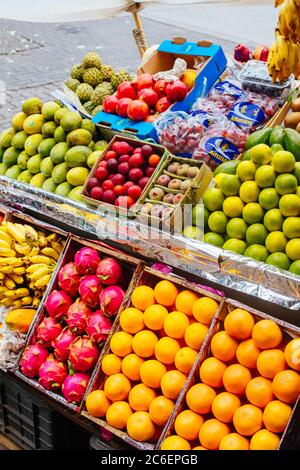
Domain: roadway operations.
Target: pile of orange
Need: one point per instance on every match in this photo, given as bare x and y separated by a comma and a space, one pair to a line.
246, 391
150, 358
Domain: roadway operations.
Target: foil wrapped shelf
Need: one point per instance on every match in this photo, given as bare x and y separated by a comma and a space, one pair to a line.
226, 269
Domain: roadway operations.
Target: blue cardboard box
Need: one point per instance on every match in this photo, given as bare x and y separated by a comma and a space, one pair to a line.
163, 59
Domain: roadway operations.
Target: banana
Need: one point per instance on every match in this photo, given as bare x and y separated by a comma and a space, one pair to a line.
35, 301
2, 276
34, 267
34, 251
39, 259
31, 234
16, 304
38, 293
6, 302
4, 243
42, 281
50, 252
17, 293
277, 3
11, 261
24, 249
7, 252
3, 289
39, 273
6, 269
9, 283
19, 270
27, 300
58, 246
52, 237
5, 236
42, 239
18, 279
16, 231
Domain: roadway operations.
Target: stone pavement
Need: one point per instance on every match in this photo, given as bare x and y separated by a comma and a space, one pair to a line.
35, 58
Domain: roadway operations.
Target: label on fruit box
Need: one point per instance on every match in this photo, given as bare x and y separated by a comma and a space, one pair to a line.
221, 149
229, 89
246, 114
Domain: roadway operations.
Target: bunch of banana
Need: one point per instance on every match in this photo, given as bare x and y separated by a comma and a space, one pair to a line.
284, 59
289, 20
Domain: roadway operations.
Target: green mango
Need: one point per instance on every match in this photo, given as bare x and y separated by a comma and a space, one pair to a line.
227, 167
246, 155
276, 136
258, 137
276, 148
291, 141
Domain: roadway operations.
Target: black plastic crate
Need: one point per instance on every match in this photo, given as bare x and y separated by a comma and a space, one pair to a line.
115, 444
29, 422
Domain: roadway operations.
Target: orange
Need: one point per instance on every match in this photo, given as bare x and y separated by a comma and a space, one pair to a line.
211, 372
131, 365
118, 414
175, 324
247, 353
188, 424
165, 293
211, 433
276, 416
120, 343
236, 378
132, 320
239, 324
266, 334
199, 398
224, 406
154, 317
175, 443
199, 448
160, 410
117, 387
144, 342
247, 420
264, 440
111, 364
140, 397
270, 362
195, 334
234, 441
184, 359
259, 391
166, 349
204, 310
152, 372
292, 354
185, 300
172, 383
142, 297
140, 427
286, 386
223, 346
97, 403
154, 160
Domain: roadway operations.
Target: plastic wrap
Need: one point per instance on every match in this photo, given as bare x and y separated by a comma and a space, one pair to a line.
11, 342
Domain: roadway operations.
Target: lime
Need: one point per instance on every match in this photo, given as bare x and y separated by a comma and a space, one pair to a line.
218, 179
265, 176
101, 145
47, 166
13, 172
34, 164
291, 227
235, 245
63, 189
38, 180
233, 206
246, 156
3, 169
261, 154
217, 222
273, 220
200, 216
49, 185
236, 228
93, 157
258, 252
59, 173
213, 199
246, 170
295, 267
75, 194
292, 249
249, 191
189, 232
10, 156
213, 239
275, 242
268, 198
253, 213
276, 148
296, 171
77, 176
25, 177
22, 160
286, 184
256, 234
283, 162
230, 185
289, 205
280, 260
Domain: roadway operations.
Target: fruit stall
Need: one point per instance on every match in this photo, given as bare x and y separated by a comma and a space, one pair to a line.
150, 256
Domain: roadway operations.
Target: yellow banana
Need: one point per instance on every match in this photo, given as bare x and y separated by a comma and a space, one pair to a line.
39, 259
12, 261
31, 285
38, 293
6, 269
4, 243
34, 267
52, 237
7, 252
24, 249
43, 281
2, 276
31, 234
58, 246
35, 301
6, 302
17, 293
16, 231
27, 300
34, 251
2, 290
42, 239
9, 283
39, 273
19, 270
49, 251
5, 236
17, 304
17, 278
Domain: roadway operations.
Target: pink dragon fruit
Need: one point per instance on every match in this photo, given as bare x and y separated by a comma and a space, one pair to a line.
83, 354
98, 327
33, 358
111, 299
109, 271
78, 314
89, 290
74, 387
47, 331
52, 374
62, 343
69, 279
86, 260
57, 304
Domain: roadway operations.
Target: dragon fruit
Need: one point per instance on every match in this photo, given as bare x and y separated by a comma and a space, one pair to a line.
33, 358
86, 260
74, 387
78, 314
47, 331
57, 304
89, 290
62, 343
69, 279
83, 354
52, 374
109, 271
242, 53
98, 327
111, 299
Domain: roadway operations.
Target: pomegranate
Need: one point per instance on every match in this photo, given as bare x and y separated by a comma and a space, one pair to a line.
163, 104
126, 90
145, 80
176, 91
138, 110
149, 96
160, 87
110, 104
122, 107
